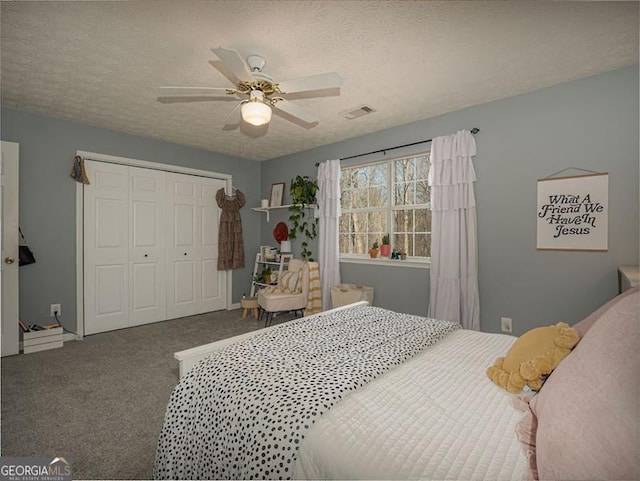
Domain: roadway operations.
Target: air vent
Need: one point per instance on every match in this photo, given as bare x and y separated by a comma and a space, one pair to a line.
357, 112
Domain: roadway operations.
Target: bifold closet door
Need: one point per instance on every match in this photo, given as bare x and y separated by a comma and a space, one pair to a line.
106, 249
147, 193
193, 281
124, 264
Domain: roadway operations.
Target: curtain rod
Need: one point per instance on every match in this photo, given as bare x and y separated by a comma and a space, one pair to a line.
474, 131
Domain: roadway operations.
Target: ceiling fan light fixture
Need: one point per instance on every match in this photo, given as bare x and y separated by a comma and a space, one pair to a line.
255, 111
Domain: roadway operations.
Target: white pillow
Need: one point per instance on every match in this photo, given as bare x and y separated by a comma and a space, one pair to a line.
288, 281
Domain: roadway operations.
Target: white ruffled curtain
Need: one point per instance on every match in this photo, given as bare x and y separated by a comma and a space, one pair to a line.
454, 231
328, 213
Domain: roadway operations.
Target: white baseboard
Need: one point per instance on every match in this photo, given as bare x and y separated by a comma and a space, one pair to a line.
69, 336
234, 306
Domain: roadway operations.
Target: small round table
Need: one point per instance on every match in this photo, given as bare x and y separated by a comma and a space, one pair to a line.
249, 303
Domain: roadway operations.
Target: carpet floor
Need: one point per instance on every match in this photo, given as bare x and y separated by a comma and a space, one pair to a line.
100, 402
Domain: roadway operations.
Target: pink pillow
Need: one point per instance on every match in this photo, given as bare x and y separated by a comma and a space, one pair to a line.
588, 413
583, 326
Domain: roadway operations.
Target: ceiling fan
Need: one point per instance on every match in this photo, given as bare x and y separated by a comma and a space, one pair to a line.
261, 91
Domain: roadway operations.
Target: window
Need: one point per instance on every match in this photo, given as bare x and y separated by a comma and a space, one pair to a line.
386, 197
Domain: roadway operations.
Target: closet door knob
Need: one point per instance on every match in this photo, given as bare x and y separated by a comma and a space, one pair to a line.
9, 260
146, 255
185, 253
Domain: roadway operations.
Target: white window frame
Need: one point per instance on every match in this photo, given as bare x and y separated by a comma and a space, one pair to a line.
410, 261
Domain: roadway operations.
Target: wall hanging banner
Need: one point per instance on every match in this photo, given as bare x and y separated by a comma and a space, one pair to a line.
573, 213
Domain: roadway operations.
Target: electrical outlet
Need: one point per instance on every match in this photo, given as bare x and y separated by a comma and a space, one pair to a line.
55, 308
506, 324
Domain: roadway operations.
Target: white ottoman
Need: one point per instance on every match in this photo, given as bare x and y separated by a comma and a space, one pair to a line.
343, 294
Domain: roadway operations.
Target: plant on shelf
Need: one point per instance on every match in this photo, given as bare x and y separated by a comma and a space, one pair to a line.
263, 277
385, 248
303, 197
373, 252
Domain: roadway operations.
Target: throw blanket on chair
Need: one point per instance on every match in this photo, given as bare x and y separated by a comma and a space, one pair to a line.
314, 300
242, 412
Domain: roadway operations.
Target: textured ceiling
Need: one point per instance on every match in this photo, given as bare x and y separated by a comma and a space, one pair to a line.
100, 63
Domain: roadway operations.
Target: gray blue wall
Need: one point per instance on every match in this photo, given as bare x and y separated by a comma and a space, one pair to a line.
590, 123
48, 200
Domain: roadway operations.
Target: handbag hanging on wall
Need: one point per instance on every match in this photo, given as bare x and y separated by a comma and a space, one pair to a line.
26, 256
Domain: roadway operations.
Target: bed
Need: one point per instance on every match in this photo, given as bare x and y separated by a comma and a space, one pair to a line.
365, 393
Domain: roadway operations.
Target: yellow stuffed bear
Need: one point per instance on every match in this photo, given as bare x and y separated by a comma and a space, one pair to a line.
532, 357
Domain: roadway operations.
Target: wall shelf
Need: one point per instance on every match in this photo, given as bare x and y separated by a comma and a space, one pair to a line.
268, 210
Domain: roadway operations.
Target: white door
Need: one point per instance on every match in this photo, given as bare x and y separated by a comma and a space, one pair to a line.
146, 247
194, 284
106, 263
9, 240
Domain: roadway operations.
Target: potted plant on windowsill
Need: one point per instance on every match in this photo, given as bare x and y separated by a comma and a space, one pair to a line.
385, 248
373, 252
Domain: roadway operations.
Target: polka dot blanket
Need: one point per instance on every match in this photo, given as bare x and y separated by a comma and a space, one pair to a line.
243, 412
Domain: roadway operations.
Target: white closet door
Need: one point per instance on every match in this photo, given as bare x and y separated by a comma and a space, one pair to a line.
106, 263
147, 301
194, 285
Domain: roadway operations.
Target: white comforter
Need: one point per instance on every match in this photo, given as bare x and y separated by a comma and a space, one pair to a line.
437, 416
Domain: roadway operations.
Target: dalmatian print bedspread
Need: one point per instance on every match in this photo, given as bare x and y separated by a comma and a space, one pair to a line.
243, 412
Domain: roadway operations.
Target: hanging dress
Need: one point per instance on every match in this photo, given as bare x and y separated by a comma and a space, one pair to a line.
230, 243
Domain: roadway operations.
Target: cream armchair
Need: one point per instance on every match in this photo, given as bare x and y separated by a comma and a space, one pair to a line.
291, 293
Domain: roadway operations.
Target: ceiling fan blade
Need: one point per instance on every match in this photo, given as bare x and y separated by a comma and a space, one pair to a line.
295, 111
233, 62
321, 81
233, 120
192, 92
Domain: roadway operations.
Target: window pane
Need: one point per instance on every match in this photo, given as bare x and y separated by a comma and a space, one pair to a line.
345, 180
378, 196
360, 198
344, 223
344, 243
359, 244
378, 174
423, 220
377, 223
358, 223
374, 238
422, 192
359, 177
402, 242
422, 167
423, 245
402, 221
402, 170
404, 193
345, 198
